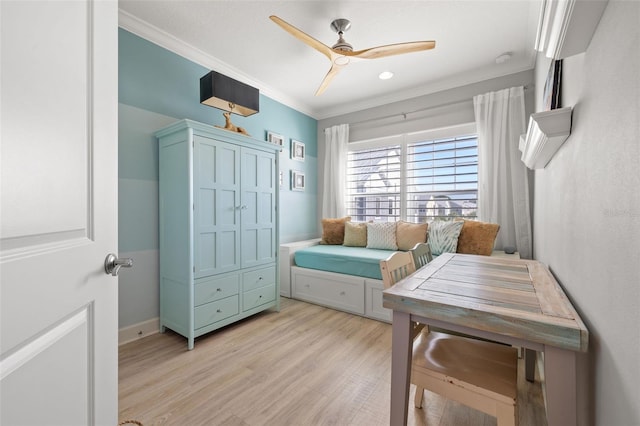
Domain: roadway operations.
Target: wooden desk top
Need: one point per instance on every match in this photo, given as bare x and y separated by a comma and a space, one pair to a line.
513, 297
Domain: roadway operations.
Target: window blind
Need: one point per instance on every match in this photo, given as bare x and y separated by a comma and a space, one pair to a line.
418, 181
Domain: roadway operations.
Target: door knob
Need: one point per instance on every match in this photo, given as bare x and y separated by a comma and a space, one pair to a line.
112, 264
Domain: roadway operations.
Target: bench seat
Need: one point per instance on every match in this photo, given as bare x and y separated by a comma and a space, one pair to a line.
339, 277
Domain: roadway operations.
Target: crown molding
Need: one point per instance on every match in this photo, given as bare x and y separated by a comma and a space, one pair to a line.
165, 40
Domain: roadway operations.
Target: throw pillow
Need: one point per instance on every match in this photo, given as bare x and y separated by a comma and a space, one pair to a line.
333, 230
355, 234
409, 234
382, 236
477, 237
443, 236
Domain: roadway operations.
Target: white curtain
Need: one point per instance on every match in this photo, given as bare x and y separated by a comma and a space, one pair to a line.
503, 182
335, 170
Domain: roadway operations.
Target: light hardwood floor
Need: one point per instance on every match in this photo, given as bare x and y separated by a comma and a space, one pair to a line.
306, 365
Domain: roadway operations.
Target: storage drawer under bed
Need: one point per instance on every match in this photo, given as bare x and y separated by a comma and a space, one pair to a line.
337, 291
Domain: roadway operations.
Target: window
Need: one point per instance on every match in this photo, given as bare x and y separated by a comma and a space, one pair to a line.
373, 179
413, 178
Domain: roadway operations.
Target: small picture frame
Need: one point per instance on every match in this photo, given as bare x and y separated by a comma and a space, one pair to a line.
297, 180
275, 138
297, 150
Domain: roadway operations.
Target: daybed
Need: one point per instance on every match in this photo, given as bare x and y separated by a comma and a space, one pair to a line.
347, 277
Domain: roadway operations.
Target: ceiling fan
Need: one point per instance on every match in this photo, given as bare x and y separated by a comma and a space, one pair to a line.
341, 53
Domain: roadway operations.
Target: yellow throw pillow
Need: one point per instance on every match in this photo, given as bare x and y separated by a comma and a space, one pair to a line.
409, 234
355, 234
477, 237
333, 230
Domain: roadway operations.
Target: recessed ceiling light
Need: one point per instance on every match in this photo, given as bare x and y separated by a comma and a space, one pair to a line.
386, 75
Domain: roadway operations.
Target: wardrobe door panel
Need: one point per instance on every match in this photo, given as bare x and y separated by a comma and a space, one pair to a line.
258, 218
216, 206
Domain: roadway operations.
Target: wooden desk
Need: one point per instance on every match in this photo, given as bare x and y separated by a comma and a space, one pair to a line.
514, 301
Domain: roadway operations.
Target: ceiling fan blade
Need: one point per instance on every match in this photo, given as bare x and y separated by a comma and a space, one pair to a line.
304, 37
335, 69
391, 49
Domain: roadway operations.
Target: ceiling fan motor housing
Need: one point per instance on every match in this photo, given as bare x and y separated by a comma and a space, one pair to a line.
342, 45
340, 26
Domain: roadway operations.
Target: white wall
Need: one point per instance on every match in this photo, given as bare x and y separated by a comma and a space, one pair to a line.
587, 211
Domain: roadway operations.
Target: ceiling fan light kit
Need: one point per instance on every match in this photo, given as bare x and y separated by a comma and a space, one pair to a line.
342, 52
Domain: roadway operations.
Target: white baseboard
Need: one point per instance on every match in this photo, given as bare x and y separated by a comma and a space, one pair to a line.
138, 331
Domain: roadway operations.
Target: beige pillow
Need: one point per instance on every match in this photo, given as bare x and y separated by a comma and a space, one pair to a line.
355, 234
333, 230
477, 237
409, 234
382, 235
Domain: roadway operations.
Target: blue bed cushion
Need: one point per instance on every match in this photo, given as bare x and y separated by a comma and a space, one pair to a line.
359, 261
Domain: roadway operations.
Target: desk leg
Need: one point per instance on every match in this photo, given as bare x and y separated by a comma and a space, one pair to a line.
400, 367
560, 384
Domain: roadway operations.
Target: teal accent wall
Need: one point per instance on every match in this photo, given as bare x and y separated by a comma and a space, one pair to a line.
156, 88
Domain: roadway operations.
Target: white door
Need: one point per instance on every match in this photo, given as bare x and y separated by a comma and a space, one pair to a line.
58, 212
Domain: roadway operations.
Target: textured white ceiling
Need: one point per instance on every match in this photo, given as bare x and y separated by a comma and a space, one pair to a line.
237, 38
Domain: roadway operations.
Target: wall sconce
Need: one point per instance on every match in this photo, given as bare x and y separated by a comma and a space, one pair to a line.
233, 97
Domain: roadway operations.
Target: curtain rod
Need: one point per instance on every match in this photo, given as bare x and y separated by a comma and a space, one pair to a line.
404, 114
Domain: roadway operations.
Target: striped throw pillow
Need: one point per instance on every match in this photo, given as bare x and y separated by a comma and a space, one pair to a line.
443, 236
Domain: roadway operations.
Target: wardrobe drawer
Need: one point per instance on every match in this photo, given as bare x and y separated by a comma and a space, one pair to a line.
215, 311
254, 298
211, 289
258, 278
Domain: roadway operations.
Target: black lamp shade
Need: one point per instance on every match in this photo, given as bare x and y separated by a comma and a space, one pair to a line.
219, 91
